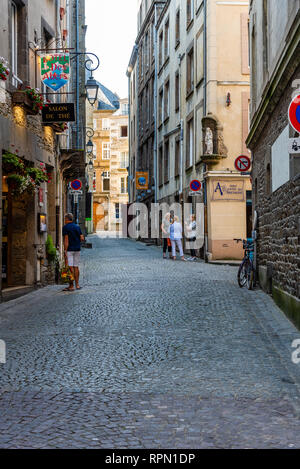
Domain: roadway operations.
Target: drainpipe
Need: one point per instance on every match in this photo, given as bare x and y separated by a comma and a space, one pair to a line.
205, 112
77, 95
155, 107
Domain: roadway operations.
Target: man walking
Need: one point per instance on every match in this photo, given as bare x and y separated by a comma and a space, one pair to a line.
72, 237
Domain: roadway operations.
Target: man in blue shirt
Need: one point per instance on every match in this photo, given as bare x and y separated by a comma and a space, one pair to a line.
72, 238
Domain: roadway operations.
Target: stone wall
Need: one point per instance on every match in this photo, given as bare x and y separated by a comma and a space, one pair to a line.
278, 244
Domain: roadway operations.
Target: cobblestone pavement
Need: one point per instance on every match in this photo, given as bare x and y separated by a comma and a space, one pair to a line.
149, 354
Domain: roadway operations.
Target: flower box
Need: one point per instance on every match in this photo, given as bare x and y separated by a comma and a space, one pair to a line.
21, 98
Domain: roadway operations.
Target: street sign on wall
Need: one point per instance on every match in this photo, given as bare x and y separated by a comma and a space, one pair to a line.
294, 113
55, 70
64, 112
294, 145
142, 180
242, 163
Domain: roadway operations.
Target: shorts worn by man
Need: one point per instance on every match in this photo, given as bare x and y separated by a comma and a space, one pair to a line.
72, 238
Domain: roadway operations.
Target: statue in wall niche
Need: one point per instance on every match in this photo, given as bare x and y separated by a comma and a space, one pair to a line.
209, 144
222, 149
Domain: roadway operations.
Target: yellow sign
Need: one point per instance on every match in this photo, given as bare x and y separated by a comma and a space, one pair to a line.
142, 180
228, 190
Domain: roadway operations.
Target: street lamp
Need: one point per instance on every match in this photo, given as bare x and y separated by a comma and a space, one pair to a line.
89, 147
92, 89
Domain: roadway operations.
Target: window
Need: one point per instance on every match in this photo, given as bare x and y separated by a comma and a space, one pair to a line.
105, 151
200, 56
124, 131
160, 106
14, 42
106, 181
125, 109
160, 53
167, 100
160, 162
167, 39
123, 186
177, 28
146, 52
189, 12
117, 211
190, 143
177, 91
124, 160
177, 156
190, 71
167, 162
105, 124
95, 124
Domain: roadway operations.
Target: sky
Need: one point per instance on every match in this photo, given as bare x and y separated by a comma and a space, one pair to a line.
111, 33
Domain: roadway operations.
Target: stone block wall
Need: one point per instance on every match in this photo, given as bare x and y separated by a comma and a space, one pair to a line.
278, 244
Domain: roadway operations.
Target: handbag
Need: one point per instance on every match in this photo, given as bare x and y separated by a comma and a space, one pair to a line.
66, 275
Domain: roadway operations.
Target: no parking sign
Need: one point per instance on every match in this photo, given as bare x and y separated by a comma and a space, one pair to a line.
294, 113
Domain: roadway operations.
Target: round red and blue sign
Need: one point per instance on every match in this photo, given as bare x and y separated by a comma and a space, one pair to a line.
195, 185
76, 185
294, 113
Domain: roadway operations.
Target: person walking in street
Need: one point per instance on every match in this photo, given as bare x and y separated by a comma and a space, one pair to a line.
165, 228
191, 228
176, 237
72, 238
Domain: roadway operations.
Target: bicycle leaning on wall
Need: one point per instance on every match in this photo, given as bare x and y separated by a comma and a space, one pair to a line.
246, 273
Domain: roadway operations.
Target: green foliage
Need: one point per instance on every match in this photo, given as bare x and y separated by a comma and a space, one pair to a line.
51, 250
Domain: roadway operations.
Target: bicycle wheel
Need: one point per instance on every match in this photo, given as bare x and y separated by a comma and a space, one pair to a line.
242, 273
250, 277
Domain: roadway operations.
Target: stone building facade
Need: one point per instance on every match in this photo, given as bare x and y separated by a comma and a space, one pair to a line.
199, 86
28, 29
275, 45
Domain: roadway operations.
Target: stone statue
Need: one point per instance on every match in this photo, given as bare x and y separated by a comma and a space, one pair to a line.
209, 144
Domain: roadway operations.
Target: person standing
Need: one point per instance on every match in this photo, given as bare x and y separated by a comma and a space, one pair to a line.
191, 228
176, 237
165, 228
72, 238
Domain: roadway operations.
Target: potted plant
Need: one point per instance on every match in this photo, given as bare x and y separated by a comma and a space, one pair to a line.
4, 70
31, 99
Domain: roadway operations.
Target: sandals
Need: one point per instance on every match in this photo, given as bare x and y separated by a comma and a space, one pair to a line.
68, 289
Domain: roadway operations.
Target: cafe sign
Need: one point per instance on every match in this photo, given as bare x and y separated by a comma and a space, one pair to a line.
228, 190
61, 112
55, 70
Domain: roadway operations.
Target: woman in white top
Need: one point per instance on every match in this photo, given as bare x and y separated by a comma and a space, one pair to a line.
176, 237
191, 228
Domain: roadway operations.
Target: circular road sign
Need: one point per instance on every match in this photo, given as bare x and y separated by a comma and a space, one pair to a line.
195, 185
242, 163
294, 113
76, 185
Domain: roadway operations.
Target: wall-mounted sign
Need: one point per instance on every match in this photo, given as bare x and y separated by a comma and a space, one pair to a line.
142, 180
64, 112
55, 70
294, 145
242, 163
228, 190
294, 113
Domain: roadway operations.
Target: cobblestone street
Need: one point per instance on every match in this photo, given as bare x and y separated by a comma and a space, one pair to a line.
149, 354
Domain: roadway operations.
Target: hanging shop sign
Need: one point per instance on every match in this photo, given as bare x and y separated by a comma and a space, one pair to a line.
64, 112
55, 70
142, 180
294, 113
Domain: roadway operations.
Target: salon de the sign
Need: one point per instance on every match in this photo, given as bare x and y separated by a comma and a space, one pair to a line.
61, 112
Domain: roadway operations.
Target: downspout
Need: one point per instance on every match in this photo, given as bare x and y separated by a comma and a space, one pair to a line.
77, 96
155, 107
204, 113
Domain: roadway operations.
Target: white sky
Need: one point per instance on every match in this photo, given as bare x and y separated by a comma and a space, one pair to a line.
112, 30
